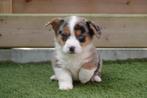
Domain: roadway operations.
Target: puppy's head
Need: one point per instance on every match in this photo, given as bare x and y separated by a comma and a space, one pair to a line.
74, 33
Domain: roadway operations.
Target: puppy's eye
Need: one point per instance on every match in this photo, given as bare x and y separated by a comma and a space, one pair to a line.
81, 39
64, 36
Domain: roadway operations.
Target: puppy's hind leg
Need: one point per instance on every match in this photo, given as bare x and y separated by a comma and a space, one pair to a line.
96, 78
86, 72
97, 75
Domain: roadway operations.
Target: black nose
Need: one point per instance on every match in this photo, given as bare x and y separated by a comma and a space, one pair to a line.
72, 49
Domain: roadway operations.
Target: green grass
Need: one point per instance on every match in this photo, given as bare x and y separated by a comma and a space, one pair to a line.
121, 79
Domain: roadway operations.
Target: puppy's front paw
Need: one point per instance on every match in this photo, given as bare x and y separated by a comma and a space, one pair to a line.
65, 86
53, 77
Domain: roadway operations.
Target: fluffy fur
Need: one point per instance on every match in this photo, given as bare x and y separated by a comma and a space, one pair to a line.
76, 58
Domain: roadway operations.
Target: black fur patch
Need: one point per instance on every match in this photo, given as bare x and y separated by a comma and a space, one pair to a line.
81, 38
64, 36
91, 32
81, 28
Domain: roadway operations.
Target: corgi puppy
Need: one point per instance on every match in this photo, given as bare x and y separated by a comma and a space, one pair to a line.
76, 58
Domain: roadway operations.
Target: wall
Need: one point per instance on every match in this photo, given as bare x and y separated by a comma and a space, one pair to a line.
26, 55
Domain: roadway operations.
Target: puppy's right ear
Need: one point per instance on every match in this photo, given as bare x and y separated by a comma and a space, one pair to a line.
94, 29
55, 23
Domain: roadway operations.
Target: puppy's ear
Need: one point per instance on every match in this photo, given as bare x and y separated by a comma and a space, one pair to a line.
93, 29
55, 23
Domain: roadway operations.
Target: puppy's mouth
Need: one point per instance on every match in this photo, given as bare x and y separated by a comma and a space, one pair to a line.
71, 52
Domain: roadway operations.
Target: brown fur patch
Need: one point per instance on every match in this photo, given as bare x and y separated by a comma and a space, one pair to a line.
89, 66
66, 30
55, 23
59, 38
78, 33
87, 41
81, 31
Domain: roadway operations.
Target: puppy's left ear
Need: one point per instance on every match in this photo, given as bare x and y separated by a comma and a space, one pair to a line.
94, 29
55, 24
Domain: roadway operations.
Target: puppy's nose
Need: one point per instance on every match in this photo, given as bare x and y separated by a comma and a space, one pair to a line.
72, 49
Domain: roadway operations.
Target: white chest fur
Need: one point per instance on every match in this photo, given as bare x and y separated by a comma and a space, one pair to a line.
73, 62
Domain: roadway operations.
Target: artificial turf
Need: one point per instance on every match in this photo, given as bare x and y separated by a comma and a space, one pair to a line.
121, 79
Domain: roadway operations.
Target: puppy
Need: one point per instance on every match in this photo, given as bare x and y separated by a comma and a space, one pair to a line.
76, 58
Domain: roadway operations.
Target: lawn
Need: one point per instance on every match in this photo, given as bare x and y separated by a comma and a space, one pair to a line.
121, 79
